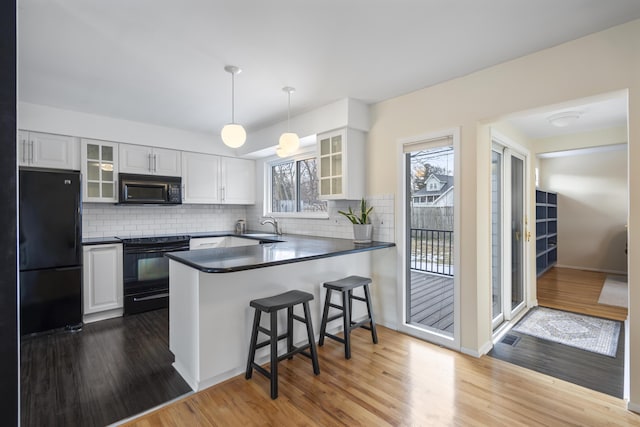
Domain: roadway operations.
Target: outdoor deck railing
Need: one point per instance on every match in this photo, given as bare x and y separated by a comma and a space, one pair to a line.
432, 251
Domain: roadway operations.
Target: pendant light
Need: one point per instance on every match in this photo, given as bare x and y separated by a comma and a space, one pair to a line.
289, 141
233, 134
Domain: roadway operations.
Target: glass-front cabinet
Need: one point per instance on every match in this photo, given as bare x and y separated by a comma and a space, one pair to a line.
100, 171
331, 165
341, 171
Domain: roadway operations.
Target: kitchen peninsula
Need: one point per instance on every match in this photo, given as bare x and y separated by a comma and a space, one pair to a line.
210, 289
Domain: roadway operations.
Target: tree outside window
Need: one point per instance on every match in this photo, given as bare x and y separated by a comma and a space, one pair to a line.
295, 187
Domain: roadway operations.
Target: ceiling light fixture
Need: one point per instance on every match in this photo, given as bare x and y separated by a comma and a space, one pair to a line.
289, 141
233, 134
564, 119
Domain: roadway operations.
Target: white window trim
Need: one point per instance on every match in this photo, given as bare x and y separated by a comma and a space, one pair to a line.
268, 164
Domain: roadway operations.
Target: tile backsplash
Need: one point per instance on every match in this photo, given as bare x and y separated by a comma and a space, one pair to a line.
382, 218
106, 220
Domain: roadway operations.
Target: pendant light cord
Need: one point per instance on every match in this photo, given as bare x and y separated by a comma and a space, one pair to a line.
233, 85
289, 113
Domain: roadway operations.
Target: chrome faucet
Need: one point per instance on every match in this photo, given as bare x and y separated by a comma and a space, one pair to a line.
271, 220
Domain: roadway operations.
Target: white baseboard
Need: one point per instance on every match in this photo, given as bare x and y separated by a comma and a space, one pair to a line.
599, 270
484, 349
634, 407
103, 315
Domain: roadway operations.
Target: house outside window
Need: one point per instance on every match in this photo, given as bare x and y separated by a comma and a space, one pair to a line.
293, 188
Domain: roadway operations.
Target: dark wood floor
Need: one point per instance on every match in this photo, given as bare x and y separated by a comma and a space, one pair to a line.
594, 371
432, 300
109, 371
575, 291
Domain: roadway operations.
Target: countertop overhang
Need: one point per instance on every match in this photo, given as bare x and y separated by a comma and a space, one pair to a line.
291, 249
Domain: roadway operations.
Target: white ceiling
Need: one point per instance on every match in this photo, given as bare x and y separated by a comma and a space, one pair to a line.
595, 113
161, 61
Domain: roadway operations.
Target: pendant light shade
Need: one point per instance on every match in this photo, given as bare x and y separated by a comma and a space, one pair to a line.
233, 134
289, 141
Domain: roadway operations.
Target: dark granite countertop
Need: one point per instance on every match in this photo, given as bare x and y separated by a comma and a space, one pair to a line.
88, 241
292, 248
100, 241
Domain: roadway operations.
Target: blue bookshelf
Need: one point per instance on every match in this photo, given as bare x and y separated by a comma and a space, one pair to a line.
546, 230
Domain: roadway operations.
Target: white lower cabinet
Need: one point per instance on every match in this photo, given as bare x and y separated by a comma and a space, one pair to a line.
220, 242
102, 282
206, 242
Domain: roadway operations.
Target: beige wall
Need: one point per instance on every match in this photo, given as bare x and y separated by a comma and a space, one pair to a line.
604, 62
592, 208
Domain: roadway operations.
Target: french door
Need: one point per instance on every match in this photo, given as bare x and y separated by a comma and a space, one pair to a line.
509, 232
429, 305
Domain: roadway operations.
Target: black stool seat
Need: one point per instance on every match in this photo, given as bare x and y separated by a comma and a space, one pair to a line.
280, 301
272, 305
347, 283
346, 286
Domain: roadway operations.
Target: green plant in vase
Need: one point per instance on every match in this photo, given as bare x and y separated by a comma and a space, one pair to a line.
362, 229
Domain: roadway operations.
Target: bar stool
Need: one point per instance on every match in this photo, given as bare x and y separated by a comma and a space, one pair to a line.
272, 305
346, 286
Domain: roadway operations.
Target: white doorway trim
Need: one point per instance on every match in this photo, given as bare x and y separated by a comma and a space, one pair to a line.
402, 241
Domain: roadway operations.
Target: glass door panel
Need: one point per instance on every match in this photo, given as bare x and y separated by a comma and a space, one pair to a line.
508, 233
430, 273
517, 232
496, 238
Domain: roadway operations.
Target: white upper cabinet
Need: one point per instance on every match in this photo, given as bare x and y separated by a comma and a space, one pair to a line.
99, 165
217, 180
238, 181
200, 178
48, 150
342, 164
149, 160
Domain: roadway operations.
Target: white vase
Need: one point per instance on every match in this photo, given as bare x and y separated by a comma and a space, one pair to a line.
362, 233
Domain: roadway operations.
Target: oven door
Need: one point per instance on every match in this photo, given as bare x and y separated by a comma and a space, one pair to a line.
146, 277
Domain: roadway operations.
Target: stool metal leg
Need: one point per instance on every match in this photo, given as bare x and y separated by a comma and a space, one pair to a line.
274, 354
325, 314
252, 346
312, 340
367, 296
346, 321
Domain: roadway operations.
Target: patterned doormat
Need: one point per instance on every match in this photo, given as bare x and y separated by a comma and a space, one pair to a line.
576, 330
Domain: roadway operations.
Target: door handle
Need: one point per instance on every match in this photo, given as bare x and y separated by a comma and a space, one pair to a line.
155, 163
30, 151
150, 297
149, 168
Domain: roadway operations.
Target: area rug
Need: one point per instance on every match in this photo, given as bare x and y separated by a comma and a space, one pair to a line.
575, 330
614, 291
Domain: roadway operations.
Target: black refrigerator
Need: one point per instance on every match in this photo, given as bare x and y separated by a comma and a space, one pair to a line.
50, 250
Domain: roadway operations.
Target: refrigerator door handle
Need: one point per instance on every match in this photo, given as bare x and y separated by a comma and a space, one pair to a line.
31, 151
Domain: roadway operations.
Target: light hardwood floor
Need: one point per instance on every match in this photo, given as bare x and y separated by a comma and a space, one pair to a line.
576, 291
400, 381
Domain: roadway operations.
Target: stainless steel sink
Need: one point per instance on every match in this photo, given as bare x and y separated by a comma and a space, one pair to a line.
267, 236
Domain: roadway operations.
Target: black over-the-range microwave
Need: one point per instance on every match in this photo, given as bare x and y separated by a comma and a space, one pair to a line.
150, 189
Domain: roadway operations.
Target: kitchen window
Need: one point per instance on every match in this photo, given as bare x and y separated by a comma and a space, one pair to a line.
293, 188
